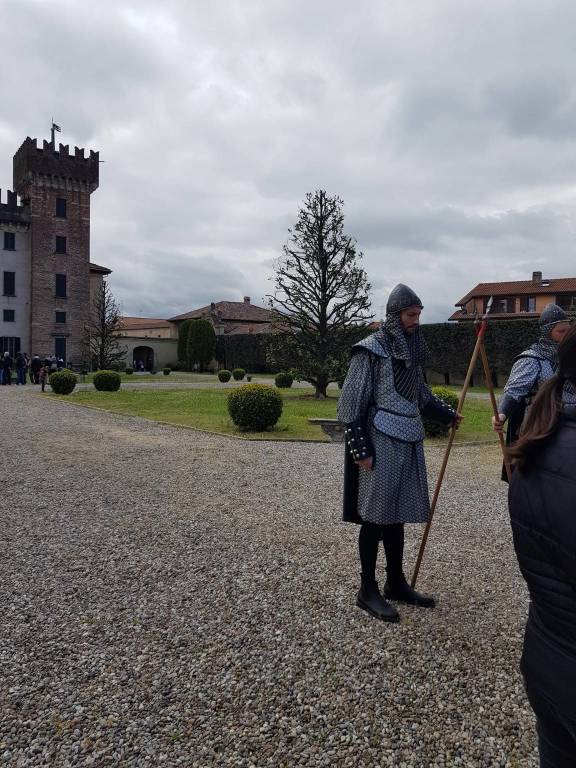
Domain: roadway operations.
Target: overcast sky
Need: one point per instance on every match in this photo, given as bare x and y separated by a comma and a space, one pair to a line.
447, 126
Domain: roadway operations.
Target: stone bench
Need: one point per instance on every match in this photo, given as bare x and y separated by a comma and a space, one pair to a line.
332, 427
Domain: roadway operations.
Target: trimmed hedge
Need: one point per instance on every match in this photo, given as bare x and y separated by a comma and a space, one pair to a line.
107, 381
283, 380
129, 371
433, 428
224, 375
166, 371
238, 374
63, 382
247, 350
255, 407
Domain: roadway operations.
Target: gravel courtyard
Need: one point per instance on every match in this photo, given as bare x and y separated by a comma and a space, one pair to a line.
174, 598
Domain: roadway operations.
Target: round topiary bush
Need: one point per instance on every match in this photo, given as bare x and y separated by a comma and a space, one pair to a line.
166, 371
62, 382
107, 381
255, 407
283, 380
129, 371
238, 374
224, 375
433, 428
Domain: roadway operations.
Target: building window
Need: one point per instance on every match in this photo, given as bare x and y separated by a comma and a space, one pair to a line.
60, 244
502, 305
10, 344
61, 287
9, 315
9, 241
527, 303
61, 317
60, 347
61, 207
9, 284
567, 301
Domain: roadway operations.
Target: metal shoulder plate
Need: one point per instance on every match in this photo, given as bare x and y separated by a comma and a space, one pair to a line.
375, 343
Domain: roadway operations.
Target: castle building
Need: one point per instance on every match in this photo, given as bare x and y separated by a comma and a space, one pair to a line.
47, 278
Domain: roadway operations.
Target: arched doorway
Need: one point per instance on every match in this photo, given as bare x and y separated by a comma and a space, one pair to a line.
143, 358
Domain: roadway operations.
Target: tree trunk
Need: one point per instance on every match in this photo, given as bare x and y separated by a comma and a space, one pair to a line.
321, 385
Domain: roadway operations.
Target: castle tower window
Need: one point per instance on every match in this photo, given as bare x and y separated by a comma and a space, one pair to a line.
9, 284
61, 317
8, 315
61, 207
9, 241
60, 286
60, 244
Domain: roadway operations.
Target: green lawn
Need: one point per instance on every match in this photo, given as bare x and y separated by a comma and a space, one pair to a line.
174, 377
206, 409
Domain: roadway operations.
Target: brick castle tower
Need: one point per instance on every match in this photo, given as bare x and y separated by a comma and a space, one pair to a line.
55, 186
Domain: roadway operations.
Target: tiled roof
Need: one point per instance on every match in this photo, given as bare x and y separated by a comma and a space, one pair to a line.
137, 323
459, 315
98, 268
521, 287
229, 311
241, 328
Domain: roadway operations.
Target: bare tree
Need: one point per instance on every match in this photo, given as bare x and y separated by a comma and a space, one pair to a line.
321, 294
101, 344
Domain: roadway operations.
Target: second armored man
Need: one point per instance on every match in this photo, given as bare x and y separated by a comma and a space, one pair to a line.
385, 484
531, 369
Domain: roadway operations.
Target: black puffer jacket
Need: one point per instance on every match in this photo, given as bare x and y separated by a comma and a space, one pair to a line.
543, 514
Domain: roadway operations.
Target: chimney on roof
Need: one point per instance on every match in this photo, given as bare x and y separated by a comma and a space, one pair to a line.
246, 299
536, 277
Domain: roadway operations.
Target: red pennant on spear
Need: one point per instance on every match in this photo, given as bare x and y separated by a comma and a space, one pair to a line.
479, 350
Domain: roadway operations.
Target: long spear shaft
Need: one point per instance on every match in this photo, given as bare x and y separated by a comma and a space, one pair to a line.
463, 393
488, 377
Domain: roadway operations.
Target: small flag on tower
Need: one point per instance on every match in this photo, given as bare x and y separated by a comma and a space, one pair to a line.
56, 128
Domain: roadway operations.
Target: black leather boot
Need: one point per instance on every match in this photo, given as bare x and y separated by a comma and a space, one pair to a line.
400, 591
371, 601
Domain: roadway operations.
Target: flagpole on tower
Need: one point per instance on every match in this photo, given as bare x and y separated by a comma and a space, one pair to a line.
53, 130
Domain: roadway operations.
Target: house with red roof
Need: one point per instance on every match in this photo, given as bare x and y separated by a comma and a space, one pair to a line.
518, 299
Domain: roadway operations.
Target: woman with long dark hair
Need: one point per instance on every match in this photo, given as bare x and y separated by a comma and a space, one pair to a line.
542, 502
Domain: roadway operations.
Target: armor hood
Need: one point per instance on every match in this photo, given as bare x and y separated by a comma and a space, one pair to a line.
401, 298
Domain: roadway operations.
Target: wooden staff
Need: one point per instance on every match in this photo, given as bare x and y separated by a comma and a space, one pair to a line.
488, 377
463, 393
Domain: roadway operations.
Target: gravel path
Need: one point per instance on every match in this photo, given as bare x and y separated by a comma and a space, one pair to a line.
174, 598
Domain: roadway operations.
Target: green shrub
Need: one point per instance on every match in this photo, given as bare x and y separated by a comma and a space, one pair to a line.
283, 380
166, 371
153, 371
107, 381
62, 382
224, 375
433, 428
255, 407
129, 371
238, 374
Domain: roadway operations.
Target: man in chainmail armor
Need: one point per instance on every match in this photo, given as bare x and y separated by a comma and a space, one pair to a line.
385, 484
531, 369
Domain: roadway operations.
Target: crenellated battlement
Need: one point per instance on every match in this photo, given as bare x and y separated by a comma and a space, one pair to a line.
58, 167
12, 211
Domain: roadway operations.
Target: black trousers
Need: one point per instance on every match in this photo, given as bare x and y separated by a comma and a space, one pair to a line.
556, 732
392, 537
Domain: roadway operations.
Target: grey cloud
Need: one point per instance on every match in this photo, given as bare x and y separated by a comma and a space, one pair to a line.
445, 127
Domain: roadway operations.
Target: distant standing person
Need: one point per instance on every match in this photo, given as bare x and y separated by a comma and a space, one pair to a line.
7, 369
20, 368
531, 369
43, 375
542, 502
385, 484
35, 365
